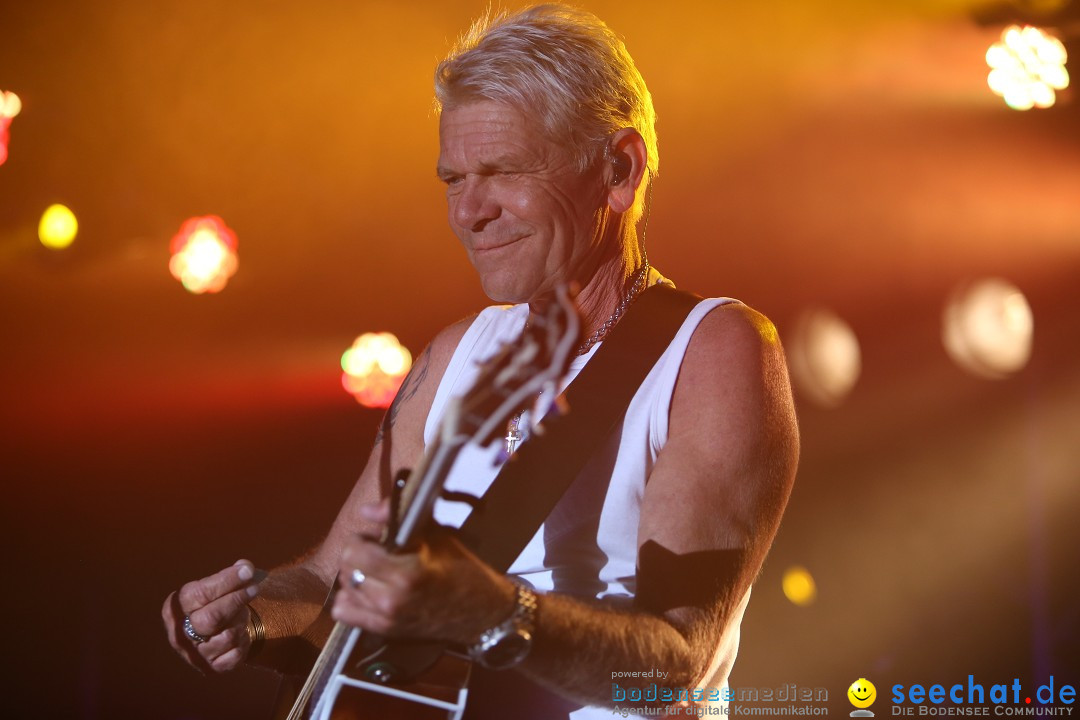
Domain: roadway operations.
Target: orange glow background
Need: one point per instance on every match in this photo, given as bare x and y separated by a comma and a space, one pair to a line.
836, 153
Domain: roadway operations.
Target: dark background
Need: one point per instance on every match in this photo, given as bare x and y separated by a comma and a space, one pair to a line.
843, 154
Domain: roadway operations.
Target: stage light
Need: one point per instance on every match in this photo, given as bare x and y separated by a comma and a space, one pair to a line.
1027, 68
824, 357
203, 254
799, 586
58, 227
10, 105
375, 366
987, 328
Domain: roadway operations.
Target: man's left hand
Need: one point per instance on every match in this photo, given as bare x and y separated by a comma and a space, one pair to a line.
438, 591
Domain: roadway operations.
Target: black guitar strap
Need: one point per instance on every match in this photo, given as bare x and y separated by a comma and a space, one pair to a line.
531, 482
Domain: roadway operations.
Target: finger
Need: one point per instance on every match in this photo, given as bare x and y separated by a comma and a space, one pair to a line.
228, 660
359, 615
376, 512
364, 592
195, 595
234, 637
387, 602
223, 612
358, 595
351, 579
377, 563
172, 614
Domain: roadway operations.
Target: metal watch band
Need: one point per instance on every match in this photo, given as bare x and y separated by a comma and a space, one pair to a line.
507, 643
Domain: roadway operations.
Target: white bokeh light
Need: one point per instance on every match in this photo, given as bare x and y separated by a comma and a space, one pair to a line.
824, 357
988, 327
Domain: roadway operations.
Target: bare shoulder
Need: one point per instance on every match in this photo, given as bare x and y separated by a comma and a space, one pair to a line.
733, 368
409, 410
732, 444
436, 356
444, 343
737, 338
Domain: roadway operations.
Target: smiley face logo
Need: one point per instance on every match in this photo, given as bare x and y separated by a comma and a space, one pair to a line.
862, 693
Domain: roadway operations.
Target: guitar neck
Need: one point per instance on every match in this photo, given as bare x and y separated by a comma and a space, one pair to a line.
423, 488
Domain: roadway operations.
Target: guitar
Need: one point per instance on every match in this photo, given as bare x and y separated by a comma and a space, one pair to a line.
361, 675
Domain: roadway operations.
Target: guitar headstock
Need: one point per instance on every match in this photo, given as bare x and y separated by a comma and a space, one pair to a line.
511, 379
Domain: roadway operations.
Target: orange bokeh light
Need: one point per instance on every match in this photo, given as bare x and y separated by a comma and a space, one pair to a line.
10, 105
203, 254
374, 368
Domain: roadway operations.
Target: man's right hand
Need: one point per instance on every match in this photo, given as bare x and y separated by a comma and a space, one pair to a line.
217, 608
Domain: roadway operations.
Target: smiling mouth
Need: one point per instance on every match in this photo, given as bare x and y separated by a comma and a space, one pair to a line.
495, 246
860, 698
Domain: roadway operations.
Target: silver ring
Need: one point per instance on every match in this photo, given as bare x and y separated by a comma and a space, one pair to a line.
189, 630
357, 578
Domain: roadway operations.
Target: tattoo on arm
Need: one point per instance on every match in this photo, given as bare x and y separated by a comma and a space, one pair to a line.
408, 388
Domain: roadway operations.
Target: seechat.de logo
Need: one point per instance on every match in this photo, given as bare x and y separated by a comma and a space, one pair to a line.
862, 695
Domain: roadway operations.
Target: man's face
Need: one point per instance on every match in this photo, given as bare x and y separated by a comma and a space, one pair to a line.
527, 218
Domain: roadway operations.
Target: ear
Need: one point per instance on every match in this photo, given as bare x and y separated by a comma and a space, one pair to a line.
625, 168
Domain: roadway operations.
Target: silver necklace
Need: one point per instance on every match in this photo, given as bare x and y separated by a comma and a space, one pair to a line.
637, 284
514, 436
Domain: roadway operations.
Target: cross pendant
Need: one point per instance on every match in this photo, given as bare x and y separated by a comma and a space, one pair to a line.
513, 437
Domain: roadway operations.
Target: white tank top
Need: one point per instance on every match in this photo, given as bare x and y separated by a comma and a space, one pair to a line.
588, 544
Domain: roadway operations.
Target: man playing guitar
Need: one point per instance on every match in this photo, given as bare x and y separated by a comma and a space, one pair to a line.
548, 149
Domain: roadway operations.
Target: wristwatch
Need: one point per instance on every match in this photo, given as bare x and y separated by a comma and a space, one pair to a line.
507, 644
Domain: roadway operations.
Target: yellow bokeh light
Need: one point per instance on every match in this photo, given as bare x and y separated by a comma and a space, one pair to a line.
374, 368
988, 328
58, 227
1027, 68
799, 586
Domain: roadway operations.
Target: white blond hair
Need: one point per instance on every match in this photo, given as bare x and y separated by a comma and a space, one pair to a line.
561, 65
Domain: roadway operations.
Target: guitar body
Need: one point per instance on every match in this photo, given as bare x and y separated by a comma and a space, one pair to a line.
425, 680
438, 692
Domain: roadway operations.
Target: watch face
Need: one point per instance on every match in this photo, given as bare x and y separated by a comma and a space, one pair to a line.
508, 650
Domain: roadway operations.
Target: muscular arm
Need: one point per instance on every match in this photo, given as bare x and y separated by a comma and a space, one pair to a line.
711, 509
